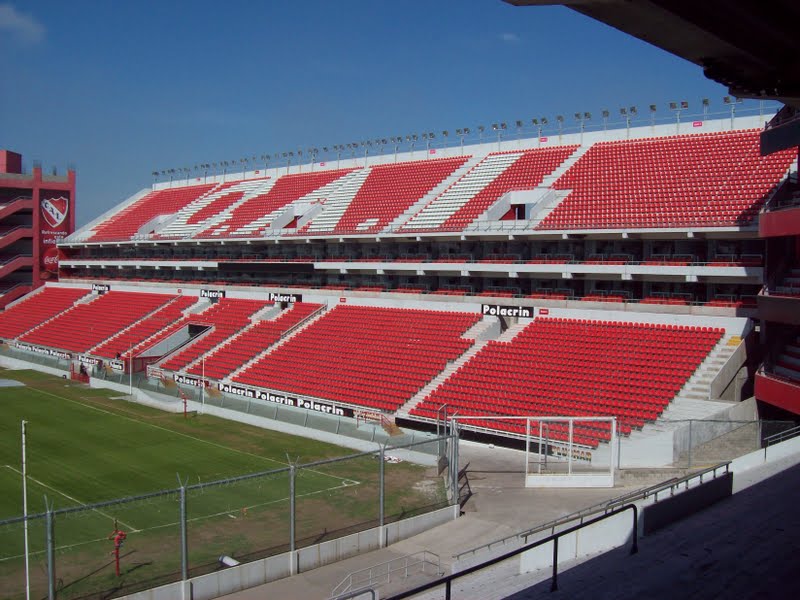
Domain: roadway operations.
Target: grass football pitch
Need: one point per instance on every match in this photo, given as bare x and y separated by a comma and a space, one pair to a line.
85, 447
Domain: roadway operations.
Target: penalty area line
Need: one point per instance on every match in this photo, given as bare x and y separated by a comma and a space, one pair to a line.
130, 527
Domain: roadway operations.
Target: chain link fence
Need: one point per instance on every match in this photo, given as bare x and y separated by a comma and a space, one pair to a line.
121, 546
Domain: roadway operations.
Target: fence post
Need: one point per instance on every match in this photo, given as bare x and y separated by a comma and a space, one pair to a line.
51, 554
292, 565
454, 464
184, 536
690, 444
382, 470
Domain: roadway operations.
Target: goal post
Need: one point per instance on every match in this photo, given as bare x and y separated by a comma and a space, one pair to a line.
566, 452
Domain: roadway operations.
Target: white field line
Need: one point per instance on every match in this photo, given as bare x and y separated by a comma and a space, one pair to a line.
346, 483
73, 499
191, 437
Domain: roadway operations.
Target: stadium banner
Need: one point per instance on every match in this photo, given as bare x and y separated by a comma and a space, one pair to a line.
101, 288
42, 350
497, 310
53, 227
187, 380
312, 405
89, 360
117, 365
290, 298
153, 371
213, 294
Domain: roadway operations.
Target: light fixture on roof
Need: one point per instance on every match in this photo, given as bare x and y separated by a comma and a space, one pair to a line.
605, 114
732, 102
481, 129
677, 107
653, 117
582, 118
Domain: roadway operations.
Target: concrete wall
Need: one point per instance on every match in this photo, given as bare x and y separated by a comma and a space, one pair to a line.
259, 572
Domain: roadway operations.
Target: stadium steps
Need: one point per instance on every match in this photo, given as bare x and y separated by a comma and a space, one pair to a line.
698, 386
473, 333
337, 203
312, 318
180, 227
214, 226
266, 221
433, 194
446, 204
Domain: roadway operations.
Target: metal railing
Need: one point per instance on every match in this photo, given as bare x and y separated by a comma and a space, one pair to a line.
447, 580
643, 493
381, 574
782, 436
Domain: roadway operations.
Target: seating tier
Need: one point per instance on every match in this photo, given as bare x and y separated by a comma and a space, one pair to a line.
704, 180
86, 325
127, 222
568, 367
121, 344
36, 309
368, 356
225, 319
251, 342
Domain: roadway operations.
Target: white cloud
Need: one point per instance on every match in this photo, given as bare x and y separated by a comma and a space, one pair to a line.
510, 38
23, 26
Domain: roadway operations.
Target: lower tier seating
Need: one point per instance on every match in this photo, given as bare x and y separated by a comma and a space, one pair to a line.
86, 325
568, 367
225, 319
251, 342
120, 345
368, 356
36, 309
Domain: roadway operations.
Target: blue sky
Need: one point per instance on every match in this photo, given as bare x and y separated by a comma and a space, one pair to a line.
120, 89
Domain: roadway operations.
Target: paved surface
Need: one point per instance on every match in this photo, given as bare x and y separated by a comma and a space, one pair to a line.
500, 505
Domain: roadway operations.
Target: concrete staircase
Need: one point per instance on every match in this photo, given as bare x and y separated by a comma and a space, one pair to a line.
251, 189
179, 226
788, 363
338, 202
433, 193
266, 221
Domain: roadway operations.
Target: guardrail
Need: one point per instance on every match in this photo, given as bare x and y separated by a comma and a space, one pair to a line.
447, 580
640, 494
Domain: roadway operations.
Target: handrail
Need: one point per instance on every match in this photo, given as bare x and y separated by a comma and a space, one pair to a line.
640, 494
781, 436
376, 573
321, 309
448, 579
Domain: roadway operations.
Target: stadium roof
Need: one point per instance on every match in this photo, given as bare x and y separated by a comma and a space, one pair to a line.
750, 46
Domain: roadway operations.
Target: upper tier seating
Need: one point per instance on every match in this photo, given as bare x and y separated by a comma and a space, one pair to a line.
789, 284
374, 357
389, 190
788, 361
484, 184
226, 318
87, 325
254, 215
36, 309
251, 342
570, 367
126, 223
153, 323
214, 207
706, 180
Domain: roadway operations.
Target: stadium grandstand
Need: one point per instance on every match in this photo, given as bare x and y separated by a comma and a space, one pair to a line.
641, 278
626, 262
